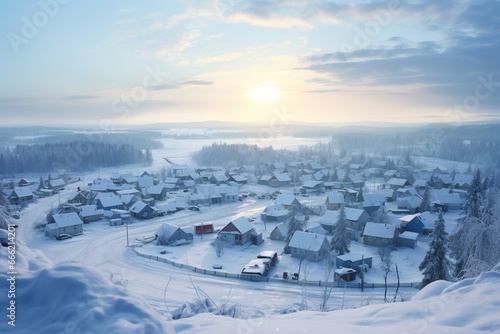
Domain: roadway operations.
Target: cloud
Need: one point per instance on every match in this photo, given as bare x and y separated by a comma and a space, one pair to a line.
81, 97
182, 84
230, 56
451, 67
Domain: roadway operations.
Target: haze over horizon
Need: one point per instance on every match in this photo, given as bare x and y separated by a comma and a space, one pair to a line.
126, 63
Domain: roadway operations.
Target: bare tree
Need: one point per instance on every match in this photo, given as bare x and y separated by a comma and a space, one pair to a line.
219, 245
385, 256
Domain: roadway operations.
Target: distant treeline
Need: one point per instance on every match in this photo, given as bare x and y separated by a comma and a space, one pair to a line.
470, 143
138, 139
72, 156
233, 155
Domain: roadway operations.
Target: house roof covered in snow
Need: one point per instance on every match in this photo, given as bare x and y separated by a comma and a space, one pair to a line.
386, 231
242, 225
307, 241
285, 199
67, 219
138, 207
336, 198
22, 192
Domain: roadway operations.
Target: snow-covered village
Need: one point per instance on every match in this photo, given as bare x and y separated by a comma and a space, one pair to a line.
248, 167
334, 231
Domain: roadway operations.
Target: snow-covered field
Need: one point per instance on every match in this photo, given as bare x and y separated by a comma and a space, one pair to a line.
94, 283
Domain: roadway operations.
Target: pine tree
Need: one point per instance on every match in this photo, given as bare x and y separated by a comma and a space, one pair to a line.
426, 201
360, 197
293, 225
340, 239
464, 242
436, 265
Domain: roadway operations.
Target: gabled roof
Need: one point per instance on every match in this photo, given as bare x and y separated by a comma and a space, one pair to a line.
90, 210
167, 230
385, 231
307, 241
282, 228
332, 217
426, 218
67, 219
312, 184
336, 198
285, 199
412, 202
22, 192
138, 207
241, 224
57, 183
282, 177
156, 190
220, 177
238, 178
110, 201
397, 182
446, 198
146, 181
374, 198
276, 210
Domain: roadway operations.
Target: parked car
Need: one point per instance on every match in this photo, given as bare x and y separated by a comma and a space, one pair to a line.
64, 236
271, 255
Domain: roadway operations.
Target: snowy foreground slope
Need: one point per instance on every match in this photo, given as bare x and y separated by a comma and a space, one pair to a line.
469, 306
75, 298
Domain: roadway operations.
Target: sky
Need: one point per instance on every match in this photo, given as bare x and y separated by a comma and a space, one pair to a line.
113, 63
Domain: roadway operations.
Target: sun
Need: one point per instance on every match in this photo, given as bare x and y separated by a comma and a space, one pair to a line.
264, 94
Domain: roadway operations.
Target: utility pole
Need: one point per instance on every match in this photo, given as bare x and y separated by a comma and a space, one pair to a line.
126, 225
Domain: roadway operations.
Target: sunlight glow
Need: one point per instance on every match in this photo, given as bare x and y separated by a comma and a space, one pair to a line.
264, 93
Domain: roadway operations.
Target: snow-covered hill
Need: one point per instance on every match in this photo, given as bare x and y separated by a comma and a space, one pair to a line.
76, 298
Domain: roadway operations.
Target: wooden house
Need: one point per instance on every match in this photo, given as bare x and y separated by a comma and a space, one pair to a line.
279, 232
275, 213
21, 195
170, 235
379, 235
334, 201
65, 223
240, 231
141, 210
310, 246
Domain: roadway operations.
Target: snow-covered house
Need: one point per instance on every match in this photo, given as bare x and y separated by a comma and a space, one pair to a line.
145, 181
412, 204
379, 235
390, 194
141, 210
355, 219
445, 201
310, 246
56, 184
422, 223
289, 202
157, 192
442, 181
407, 239
65, 223
129, 200
170, 235
239, 232
313, 187
280, 180
396, 183
462, 181
279, 232
219, 178
79, 197
90, 213
334, 201
355, 181
238, 178
109, 202
275, 213
21, 195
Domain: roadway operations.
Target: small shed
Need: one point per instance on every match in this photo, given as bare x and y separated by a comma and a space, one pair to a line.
141, 210
279, 232
407, 239
344, 274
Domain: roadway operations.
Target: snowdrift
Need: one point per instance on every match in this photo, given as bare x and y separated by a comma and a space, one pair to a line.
469, 306
71, 298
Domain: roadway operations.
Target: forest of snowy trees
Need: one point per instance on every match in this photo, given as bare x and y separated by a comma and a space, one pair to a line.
74, 156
